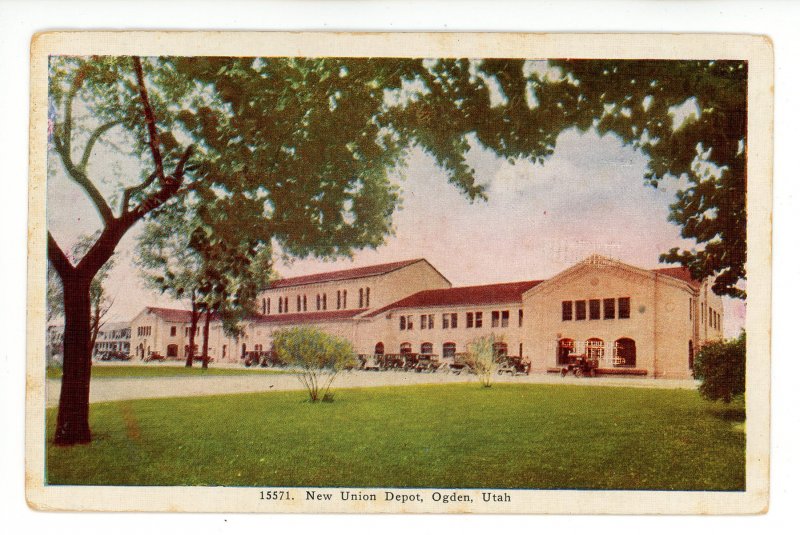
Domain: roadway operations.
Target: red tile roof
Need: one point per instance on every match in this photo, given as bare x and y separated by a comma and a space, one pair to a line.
310, 317
507, 292
680, 272
171, 314
344, 274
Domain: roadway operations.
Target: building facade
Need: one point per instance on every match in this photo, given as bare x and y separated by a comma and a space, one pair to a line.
635, 321
113, 338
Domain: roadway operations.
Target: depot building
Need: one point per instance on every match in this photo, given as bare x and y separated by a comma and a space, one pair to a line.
635, 321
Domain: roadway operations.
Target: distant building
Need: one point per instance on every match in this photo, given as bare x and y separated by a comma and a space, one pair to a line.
113, 338
637, 321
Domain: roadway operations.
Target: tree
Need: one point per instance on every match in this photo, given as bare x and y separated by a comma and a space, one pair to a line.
690, 119
297, 152
100, 302
482, 358
318, 355
720, 366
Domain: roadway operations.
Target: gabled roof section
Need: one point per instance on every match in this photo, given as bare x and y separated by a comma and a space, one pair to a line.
171, 314
345, 274
310, 317
680, 272
487, 294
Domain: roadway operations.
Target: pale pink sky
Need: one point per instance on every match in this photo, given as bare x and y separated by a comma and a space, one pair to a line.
587, 198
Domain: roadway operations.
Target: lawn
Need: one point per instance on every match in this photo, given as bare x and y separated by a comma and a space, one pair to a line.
109, 371
459, 435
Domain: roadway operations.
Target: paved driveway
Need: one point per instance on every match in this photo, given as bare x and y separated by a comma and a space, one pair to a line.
108, 389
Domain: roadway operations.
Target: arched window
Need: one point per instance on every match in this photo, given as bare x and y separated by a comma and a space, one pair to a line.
268, 305
624, 352
172, 350
366, 298
338, 299
280, 305
426, 348
566, 347
500, 349
361, 298
405, 348
299, 303
595, 349
449, 349
318, 302
344, 298
379, 348
263, 306
324, 301
305, 303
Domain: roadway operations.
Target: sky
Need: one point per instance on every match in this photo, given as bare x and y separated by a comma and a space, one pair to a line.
588, 197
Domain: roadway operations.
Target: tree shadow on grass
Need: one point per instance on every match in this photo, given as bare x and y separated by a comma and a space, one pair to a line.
734, 413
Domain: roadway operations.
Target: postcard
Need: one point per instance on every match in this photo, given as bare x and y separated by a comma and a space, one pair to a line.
399, 273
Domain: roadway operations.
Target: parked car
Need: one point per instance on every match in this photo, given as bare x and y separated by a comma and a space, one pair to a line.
115, 355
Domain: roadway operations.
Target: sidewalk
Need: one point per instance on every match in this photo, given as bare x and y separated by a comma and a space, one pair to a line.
112, 389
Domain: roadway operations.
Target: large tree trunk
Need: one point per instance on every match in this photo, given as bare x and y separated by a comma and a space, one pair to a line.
192, 331
205, 339
72, 425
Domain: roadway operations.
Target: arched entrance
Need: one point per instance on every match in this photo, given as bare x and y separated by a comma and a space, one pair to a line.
449, 349
405, 348
426, 348
172, 350
625, 352
379, 348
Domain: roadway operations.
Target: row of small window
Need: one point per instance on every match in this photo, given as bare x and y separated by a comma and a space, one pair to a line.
173, 331
714, 318
144, 331
612, 308
448, 348
500, 318
322, 302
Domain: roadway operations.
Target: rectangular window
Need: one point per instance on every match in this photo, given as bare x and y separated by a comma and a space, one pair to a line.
580, 310
478, 320
470, 323
338, 299
520, 320
709, 315
495, 319
609, 311
299, 303
454, 320
344, 298
173, 331
324, 301
691, 306
504, 318
566, 310
410, 323
367, 298
430, 321
445, 321
361, 298
402, 323
594, 309
624, 307
280, 305
423, 323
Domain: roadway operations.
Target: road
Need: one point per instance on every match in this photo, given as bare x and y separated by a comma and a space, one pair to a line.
116, 389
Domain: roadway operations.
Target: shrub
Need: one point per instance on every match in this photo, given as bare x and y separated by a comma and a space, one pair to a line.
318, 355
482, 358
721, 367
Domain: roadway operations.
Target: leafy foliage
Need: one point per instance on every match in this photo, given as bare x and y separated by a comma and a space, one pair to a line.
318, 355
690, 119
482, 357
721, 367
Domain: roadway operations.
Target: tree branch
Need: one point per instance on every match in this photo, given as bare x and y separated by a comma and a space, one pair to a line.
150, 120
129, 192
87, 151
63, 145
57, 257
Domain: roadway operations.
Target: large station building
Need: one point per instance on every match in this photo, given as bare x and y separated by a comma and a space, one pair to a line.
636, 321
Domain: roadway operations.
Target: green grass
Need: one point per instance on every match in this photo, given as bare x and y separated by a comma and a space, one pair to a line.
110, 371
461, 435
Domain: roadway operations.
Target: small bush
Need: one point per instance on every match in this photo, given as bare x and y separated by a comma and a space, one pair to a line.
721, 367
482, 357
318, 355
